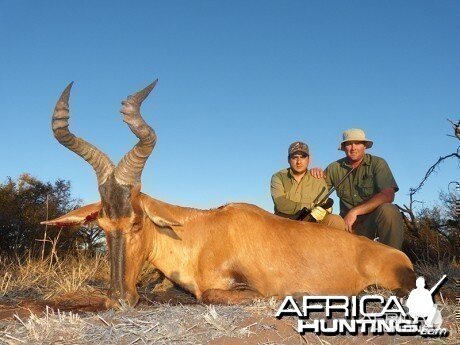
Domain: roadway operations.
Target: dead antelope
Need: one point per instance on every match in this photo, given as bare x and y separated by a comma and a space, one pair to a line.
231, 254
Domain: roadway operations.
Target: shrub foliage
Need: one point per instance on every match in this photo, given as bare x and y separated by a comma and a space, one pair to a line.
24, 203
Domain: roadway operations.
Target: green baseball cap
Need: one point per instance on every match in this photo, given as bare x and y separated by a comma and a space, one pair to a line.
299, 148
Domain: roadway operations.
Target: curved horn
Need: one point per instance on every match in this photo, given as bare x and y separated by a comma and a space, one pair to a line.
101, 164
129, 170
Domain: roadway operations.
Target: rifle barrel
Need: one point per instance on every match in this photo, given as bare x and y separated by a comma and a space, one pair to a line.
332, 190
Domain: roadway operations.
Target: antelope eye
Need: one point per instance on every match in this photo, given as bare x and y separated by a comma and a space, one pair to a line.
136, 227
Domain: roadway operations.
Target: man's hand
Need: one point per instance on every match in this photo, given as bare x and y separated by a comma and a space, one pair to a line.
317, 173
350, 219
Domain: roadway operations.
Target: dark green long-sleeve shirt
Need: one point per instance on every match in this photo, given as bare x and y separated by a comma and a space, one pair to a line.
370, 178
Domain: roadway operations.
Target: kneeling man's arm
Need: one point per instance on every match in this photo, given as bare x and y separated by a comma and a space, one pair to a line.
386, 184
386, 195
282, 204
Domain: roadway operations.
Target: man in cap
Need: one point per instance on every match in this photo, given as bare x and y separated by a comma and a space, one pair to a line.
294, 188
367, 194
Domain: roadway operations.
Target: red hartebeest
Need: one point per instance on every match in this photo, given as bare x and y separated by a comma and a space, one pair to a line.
231, 254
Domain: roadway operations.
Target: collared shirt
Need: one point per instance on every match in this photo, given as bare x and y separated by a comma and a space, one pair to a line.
371, 177
290, 196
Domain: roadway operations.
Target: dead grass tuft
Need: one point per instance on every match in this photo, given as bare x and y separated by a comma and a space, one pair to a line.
161, 325
433, 273
44, 279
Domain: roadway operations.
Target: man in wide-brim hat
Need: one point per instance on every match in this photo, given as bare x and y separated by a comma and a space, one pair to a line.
367, 194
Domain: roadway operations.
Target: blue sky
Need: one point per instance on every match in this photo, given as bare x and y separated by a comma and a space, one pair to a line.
238, 82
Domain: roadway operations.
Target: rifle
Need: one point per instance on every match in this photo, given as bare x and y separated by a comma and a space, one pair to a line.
325, 202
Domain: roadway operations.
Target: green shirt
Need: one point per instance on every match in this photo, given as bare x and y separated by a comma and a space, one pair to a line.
291, 196
370, 178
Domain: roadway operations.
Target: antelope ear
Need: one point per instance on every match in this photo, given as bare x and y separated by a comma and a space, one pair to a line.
79, 216
157, 214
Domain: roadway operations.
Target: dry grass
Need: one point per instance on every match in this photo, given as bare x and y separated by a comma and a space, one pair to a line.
45, 279
162, 324
433, 273
165, 323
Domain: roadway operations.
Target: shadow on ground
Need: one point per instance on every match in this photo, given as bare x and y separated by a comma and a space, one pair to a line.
91, 301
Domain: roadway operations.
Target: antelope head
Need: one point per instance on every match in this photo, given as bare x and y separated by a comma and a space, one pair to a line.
121, 212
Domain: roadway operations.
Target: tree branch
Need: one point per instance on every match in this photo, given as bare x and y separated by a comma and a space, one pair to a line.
432, 169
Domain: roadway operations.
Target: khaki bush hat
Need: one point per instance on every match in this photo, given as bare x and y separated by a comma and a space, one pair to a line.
355, 134
298, 147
